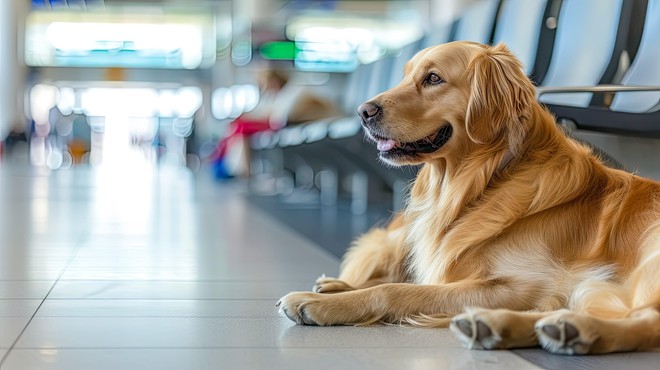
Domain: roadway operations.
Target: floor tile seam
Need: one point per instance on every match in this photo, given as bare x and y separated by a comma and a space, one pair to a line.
242, 347
76, 248
146, 299
232, 281
524, 359
154, 317
162, 299
26, 280
31, 317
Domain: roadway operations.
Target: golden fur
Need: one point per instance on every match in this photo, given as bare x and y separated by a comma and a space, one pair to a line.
514, 234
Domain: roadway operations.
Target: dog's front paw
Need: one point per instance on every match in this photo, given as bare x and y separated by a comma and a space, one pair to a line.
349, 308
301, 308
330, 285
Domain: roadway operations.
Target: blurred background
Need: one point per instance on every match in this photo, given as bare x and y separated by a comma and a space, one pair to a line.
170, 168
264, 92
100, 82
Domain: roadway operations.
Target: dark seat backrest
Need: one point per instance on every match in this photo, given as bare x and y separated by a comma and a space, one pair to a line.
476, 23
519, 24
585, 42
645, 68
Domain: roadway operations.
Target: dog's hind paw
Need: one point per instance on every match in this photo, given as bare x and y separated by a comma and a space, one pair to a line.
330, 285
565, 333
495, 329
473, 332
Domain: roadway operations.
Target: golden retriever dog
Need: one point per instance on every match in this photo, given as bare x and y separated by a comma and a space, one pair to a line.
514, 234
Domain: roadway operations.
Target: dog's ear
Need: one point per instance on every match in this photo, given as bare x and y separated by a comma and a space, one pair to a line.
501, 97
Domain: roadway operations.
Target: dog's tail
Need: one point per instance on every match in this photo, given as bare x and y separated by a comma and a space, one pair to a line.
428, 321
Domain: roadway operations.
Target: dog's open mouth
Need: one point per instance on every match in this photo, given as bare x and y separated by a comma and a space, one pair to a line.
389, 147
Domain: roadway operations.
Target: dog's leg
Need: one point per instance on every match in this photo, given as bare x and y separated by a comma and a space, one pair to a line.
562, 332
572, 333
499, 329
375, 258
604, 320
398, 302
611, 320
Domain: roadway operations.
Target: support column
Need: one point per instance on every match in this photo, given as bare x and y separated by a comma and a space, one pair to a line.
12, 65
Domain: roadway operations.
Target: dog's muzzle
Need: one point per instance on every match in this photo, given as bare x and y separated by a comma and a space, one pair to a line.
372, 113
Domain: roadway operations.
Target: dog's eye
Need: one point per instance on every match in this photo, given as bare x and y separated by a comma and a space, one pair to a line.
434, 79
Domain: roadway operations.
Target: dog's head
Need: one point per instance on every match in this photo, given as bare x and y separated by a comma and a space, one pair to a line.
453, 98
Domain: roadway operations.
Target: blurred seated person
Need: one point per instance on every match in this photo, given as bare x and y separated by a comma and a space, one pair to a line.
81, 138
280, 104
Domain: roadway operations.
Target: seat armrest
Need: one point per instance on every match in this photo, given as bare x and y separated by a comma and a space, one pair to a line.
600, 88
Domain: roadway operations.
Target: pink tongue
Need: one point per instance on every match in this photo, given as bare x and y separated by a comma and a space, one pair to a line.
386, 145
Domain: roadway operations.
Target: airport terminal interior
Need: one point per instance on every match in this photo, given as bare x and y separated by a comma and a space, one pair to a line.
169, 169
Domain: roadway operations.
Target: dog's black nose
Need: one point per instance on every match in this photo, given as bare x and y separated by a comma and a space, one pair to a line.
368, 110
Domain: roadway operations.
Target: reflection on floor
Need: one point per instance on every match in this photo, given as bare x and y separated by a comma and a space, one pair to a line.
331, 227
146, 268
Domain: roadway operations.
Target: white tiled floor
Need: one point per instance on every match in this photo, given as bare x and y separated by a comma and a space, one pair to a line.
157, 269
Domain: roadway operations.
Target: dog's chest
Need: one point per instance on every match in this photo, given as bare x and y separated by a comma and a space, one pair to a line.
429, 257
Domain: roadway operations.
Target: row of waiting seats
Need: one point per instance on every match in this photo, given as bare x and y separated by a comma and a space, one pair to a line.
586, 56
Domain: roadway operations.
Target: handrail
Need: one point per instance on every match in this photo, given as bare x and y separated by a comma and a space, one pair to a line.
600, 88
